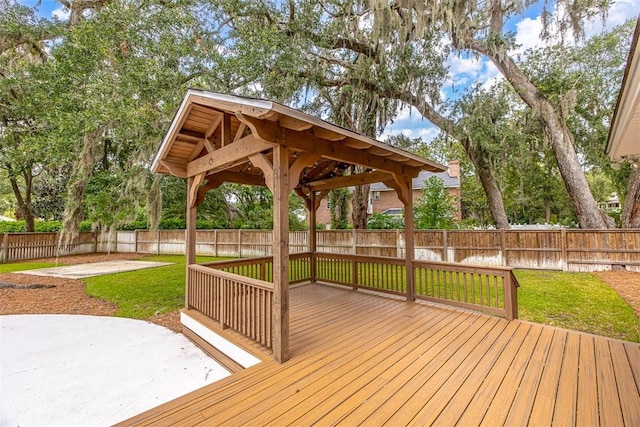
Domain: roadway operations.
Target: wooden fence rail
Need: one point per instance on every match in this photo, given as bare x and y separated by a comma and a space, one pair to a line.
567, 250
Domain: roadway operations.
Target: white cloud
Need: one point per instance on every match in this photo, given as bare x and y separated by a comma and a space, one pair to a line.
428, 133
61, 13
407, 132
620, 12
469, 66
528, 34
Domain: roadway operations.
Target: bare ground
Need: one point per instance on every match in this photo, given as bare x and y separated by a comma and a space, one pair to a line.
69, 297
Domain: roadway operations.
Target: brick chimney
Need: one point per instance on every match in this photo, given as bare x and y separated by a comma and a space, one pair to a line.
454, 168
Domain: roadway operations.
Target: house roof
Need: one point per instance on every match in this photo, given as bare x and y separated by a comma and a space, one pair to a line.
418, 182
624, 134
215, 133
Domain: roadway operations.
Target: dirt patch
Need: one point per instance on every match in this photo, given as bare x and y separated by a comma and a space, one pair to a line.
67, 296
86, 258
626, 284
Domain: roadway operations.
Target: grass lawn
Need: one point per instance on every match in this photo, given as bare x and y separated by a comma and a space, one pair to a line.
579, 301
22, 266
143, 293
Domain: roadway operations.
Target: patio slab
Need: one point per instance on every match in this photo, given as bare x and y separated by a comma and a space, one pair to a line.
65, 370
81, 271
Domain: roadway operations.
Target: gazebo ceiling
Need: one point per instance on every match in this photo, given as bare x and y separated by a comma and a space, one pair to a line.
227, 137
624, 135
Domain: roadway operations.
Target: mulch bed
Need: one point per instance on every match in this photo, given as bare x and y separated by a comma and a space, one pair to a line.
69, 297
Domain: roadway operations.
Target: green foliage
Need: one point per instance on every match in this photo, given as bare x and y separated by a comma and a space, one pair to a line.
579, 301
40, 226
378, 221
338, 201
436, 208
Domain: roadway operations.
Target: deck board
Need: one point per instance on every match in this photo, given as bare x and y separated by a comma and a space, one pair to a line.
364, 359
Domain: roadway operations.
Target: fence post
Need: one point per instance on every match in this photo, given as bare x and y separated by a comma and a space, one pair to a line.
5, 247
239, 243
158, 242
353, 242
563, 249
398, 248
95, 242
445, 246
503, 248
135, 245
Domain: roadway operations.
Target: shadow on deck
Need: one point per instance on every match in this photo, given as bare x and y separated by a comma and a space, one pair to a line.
359, 358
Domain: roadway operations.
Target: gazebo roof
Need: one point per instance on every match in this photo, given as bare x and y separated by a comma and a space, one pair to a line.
624, 135
217, 134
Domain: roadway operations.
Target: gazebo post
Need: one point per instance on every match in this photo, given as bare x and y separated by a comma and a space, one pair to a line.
312, 233
409, 251
281, 253
190, 241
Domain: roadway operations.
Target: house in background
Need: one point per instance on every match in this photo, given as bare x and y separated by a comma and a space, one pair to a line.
383, 199
624, 134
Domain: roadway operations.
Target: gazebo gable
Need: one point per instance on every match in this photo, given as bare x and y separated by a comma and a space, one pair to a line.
222, 138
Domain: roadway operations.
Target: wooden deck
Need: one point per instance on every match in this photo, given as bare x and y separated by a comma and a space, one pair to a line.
359, 359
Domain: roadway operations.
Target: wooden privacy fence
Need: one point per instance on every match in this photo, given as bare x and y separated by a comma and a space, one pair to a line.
21, 246
568, 250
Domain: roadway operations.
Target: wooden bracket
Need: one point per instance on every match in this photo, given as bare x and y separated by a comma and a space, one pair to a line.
305, 160
193, 191
262, 163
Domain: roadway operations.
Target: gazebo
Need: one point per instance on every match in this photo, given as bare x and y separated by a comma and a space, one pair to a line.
216, 138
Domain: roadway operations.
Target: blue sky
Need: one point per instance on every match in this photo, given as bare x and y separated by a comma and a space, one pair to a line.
463, 71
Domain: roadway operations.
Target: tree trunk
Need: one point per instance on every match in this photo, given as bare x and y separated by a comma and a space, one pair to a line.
630, 217
24, 202
480, 162
360, 203
587, 211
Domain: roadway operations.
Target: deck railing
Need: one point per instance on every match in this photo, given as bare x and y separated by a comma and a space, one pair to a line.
239, 293
241, 303
489, 289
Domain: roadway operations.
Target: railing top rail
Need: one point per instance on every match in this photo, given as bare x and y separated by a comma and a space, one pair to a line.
224, 274
385, 259
463, 267
236, 262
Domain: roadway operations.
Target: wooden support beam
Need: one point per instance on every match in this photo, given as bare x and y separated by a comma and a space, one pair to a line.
294, 124
190, 135
328, 134
262, 163
214, 125
210, 146
238, 178
226, 130
321, 195
175, 168
196, 150
193, 189
240, 132
281, 253
404, 184
190, 238
305, 160
227, 156
349, 180
308, 142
